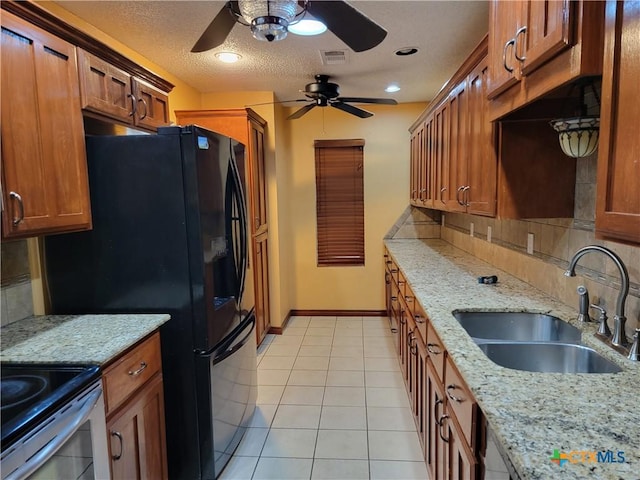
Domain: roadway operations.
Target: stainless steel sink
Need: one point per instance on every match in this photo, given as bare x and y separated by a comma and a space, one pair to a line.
547, 357
517, 326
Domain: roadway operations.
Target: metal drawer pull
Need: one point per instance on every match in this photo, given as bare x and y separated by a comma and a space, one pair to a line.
511, 42
431, 350
435, 410
137, 372
118, 435
419, 318
134, 104
452, 396
440, 423
408, 298
441, 192
460, 189
20, 217
146, 109
520, 58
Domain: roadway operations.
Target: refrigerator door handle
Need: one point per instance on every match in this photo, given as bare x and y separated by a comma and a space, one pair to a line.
243, 220
231, 345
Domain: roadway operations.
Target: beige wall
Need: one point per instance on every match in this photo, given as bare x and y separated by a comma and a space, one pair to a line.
386, 184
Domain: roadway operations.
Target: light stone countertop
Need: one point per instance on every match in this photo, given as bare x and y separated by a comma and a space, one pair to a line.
75, 339
531, 414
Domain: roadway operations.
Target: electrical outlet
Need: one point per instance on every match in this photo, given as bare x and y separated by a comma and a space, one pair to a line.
471, 229
489, 233
530, 243
442, 220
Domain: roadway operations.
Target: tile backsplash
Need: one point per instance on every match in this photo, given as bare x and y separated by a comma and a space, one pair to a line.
16, 290
416, 223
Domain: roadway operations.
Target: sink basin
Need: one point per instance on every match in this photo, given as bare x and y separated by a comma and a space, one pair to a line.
547, 357
517, 326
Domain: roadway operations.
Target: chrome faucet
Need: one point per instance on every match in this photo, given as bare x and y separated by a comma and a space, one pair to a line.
619, 339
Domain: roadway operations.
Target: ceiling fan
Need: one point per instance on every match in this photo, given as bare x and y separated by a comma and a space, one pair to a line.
322, 93
269, 20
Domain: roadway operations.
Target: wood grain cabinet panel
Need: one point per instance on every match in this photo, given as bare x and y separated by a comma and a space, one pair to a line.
45, 186
135, 413
618, 183
152, 105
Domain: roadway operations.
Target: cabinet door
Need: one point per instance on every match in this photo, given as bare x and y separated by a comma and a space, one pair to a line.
505, 18
441, 156
261, 286
152, 105
548, 31
104, 88
419, 401
434, 451
258, 178
458, 148
137, 436
428, 156
482, 171
45, 186
617, 198
460, 463
414, 165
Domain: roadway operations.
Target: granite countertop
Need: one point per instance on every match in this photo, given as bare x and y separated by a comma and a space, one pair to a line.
531, 414
75, 339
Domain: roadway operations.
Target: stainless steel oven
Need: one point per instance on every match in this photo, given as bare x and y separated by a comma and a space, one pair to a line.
53, 424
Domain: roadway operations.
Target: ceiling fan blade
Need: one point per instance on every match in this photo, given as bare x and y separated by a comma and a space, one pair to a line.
218, 30
348, 24
301, 112
345, 107
379, 101
297, 100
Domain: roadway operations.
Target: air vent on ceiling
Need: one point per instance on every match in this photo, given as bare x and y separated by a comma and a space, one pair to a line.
333, 57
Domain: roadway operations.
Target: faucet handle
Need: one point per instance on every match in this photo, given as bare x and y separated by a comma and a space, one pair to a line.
583, 304
603, 329
634, 352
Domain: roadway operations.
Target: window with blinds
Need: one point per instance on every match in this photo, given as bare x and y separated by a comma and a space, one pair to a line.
340, 201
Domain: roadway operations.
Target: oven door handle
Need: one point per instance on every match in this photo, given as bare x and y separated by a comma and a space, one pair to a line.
78, 418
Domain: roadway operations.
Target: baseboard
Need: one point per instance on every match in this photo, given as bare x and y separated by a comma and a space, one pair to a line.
337, 313
279, 330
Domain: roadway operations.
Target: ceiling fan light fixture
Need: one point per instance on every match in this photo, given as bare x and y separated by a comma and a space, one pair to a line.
308, 27
406, 51
392, 88
270, 19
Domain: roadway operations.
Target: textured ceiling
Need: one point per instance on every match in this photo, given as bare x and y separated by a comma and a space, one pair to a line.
164, 32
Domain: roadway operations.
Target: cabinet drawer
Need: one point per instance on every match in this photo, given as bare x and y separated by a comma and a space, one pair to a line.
131, 371
460, 401
435, 351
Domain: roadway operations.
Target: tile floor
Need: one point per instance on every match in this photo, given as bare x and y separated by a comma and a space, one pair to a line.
331, 405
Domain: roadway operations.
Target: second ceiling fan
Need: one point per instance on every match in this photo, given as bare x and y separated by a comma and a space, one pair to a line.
270, 19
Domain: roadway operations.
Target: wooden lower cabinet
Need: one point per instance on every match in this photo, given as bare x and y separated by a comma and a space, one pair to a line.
460, 462
137, 436
134, 403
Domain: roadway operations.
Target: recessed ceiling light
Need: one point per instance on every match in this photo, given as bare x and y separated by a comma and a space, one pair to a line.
392, 88
403, 52
307, 27
228, 57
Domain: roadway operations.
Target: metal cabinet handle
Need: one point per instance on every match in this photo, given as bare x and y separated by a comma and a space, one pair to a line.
134, 104
452, 396
465, 196
442, 190
386, 278
401, 282
431, 350
388, 262
137, 372
402, 319
257, 222
394, 270
146, 108
408, 298
520, 31
441, 424
394, 299
20, 216
439, 401
460, 189
418, 318
511, 42
118, 435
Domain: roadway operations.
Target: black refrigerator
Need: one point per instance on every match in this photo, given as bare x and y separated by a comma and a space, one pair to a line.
170, 236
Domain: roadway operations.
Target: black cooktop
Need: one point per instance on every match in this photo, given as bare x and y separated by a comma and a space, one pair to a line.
31, 392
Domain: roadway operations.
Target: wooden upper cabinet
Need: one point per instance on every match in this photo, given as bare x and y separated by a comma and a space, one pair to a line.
537, 46
456, 170
112, 92
482, 161
152, 105
618, 196
45, 185
104, 88
505, 19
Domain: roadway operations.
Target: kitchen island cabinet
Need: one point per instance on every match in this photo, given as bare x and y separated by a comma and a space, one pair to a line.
45, 187
522, 410
617, 197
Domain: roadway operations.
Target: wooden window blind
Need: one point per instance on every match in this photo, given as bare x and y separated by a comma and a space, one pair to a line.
340, 201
